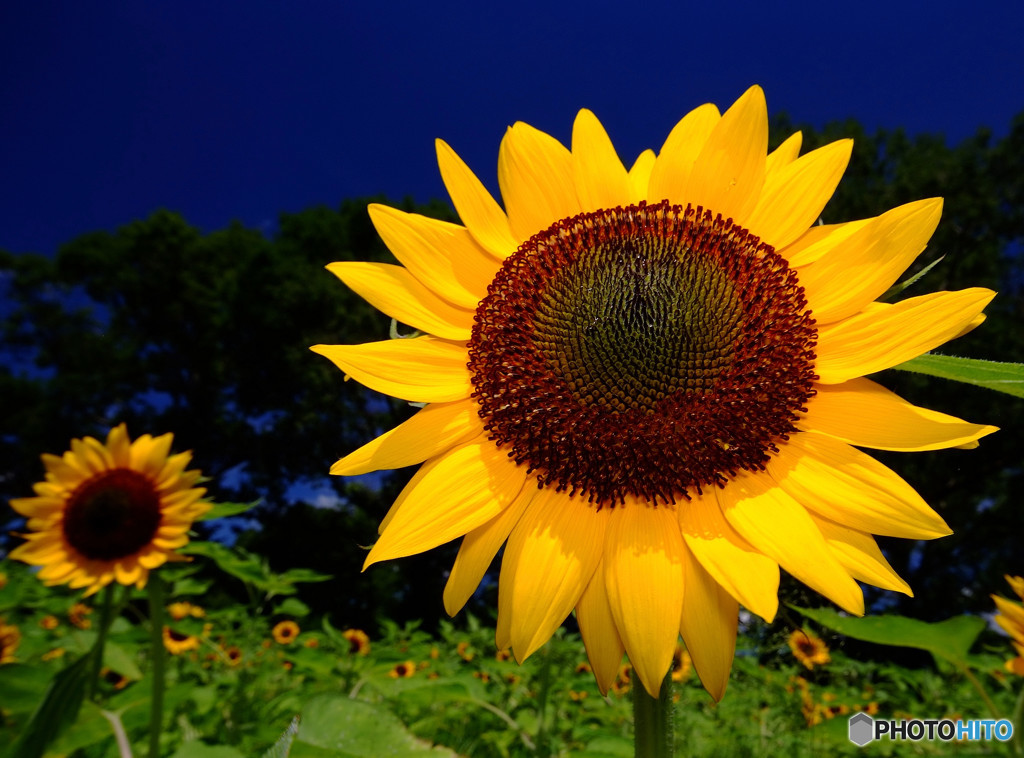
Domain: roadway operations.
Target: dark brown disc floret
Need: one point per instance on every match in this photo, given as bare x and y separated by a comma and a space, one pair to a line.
646, 351
112, 515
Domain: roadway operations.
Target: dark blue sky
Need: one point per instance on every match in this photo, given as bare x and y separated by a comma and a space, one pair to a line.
229, 110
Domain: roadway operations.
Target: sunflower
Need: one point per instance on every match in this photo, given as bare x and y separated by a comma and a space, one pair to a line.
285, 632
808, 649
1010, 617
358, 641
178, 642
109, 512
648, 384
402, 670
10, 638
78, 616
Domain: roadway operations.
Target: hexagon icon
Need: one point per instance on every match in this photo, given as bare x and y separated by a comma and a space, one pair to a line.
862, 729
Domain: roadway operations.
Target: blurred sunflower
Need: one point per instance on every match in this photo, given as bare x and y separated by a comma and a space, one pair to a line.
810, 650
10, 638
402, 670
651, 380
285, 632
1011, 618
78, 616
109, 512
358, 641
177, 642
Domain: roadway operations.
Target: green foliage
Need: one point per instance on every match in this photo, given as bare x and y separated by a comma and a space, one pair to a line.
949, 640
1002, 377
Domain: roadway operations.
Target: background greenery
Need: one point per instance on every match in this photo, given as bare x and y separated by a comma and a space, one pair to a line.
206, 334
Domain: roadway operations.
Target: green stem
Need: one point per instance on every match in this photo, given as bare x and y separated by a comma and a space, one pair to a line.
981, 691
652, 720
159, 656
542, 705
1018, 724
106, 618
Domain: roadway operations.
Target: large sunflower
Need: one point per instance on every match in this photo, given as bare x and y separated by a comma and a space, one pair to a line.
650, 383
109, 512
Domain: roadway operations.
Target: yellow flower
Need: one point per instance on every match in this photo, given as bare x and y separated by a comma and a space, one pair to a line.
233, 655
1011, 618
10, 638
358, 641
808, 649
464, 651
402, 670
682, 664
79, 614
650, 385
49, 622
178, 643
285, 632
181, 610
109, 512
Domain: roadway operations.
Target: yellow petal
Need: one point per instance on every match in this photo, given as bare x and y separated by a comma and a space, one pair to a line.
644, 579
670, 175
552, 553
817, 241
479, 211
478, 550
421, 370
148, 454
886, 336
793, 197
640, 176
777, 525
747, 574
708, 626
866, 414
784, 154
729, 172
865, 264
859, 554
597, 628
443, 256
851, 488
433, 430
396, 292
536, 178
119, 445
600, 178
448, 497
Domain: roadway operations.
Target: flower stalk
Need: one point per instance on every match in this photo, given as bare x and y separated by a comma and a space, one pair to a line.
652, 721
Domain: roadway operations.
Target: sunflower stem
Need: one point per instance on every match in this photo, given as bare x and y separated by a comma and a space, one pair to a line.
652, 721
106, 617
156, 620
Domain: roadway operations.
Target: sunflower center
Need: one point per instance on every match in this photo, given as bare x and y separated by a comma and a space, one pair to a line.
113, 515
645, 351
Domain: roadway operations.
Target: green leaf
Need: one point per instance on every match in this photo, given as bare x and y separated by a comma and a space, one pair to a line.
223, 510
948, 640
334, 725
896, 289
59, 709
296, 575
1002, 377
198, 749
23, 686
120, 660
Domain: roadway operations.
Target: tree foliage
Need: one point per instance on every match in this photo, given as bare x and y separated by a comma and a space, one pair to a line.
207, 335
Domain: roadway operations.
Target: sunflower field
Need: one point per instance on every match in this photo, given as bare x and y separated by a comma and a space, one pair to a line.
614, 462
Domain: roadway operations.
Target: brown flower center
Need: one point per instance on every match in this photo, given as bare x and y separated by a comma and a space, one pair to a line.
647, 350
112, 515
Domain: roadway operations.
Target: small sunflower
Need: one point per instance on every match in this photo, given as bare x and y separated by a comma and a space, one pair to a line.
285, 632
358, 641
49, 622
810, 650
402, 670
10, 638
109, 512
178, 642
1011, 618
233, 655
682, 664
183, 609
650, 385
78, 616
